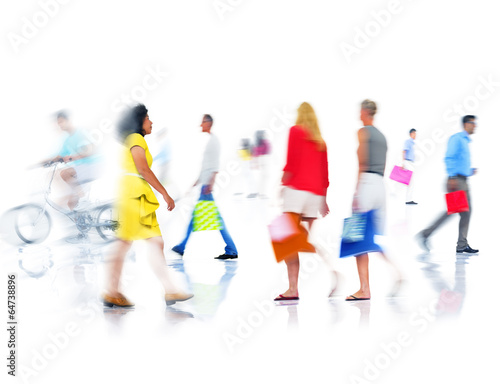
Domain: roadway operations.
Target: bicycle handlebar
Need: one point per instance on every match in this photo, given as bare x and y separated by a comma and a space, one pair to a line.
51, 163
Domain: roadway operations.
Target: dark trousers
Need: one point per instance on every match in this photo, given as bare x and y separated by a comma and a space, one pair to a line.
463, 226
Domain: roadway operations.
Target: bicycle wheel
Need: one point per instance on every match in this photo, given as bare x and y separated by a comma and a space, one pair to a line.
107, 222
32, 223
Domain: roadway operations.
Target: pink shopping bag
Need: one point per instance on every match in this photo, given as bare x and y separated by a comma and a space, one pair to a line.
401, 175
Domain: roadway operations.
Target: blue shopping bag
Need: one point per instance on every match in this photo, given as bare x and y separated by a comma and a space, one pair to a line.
354, 228
366, 245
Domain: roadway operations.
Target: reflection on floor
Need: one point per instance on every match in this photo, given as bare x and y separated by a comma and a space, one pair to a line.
232, 330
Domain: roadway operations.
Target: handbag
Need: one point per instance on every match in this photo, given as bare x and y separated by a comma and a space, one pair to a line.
456, 202
401, 175
354, 228
206, 216
288, 236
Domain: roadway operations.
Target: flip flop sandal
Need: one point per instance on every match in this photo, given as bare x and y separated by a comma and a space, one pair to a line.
354, 298
285, 298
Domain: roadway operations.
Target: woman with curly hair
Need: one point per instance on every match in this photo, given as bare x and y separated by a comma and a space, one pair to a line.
136, 209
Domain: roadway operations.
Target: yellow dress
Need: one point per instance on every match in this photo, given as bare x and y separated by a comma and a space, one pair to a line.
136, 202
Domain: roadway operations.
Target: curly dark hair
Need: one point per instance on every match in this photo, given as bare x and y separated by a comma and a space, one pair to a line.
131, 121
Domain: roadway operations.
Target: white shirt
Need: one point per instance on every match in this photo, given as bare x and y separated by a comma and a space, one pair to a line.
210, 162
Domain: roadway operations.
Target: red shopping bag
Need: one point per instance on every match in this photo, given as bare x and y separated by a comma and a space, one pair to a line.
288, 236
401, 175
457, 202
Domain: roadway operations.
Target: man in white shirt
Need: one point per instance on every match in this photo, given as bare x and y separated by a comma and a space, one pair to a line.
209, 169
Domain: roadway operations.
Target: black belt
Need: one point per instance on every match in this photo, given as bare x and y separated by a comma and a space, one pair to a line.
377, 173
458, 177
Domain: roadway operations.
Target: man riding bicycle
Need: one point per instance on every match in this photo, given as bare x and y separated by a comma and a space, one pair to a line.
79, 154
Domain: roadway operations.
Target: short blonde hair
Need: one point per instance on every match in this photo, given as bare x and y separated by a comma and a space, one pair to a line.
370, 106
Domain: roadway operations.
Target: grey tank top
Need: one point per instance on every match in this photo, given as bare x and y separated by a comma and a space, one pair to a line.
377, 151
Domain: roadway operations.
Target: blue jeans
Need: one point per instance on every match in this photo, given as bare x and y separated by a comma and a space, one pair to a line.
230, 247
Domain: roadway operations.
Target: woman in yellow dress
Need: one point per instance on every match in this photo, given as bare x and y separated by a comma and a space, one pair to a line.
136, 210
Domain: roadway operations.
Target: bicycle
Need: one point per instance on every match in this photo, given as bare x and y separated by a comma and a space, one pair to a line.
32, 222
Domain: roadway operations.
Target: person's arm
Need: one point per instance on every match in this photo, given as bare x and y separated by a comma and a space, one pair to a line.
363, 158
84, 151
450, 160
293, 155
139, 156
406, 149
210, 186
325, 210
404, 158
363, 155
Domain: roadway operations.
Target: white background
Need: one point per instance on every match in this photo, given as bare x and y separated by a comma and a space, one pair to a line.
245, 65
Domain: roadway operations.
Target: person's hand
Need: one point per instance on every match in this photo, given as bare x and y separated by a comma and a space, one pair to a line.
324, 210
207, 189
453, 185
285, 178
355, 203
474, 171
170, 202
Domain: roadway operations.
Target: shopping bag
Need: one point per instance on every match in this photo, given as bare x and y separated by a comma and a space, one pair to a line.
366, 245
354, 228
206, 216
288, 236
401, 175
457, 202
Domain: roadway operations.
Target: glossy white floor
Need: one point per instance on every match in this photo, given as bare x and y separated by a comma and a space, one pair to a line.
435, 330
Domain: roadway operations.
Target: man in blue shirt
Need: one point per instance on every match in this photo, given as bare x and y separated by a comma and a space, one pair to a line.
458, 167
408, 159
79, 155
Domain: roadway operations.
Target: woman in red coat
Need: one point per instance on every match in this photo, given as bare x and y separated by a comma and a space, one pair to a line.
305, 181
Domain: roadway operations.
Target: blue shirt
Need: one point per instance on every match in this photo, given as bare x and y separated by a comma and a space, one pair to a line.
409, 149
457, 157
76, 144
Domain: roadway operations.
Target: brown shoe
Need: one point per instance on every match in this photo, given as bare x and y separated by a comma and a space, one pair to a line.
172, 298
117, 301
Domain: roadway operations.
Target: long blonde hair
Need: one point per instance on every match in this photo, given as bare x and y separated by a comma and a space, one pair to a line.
307, 119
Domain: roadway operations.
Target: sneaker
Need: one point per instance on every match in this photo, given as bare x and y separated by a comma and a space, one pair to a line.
422, 242
468, 250
178, 250
411, 203
226, 256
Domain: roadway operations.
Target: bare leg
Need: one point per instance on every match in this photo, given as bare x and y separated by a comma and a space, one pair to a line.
70, 177
293, 266
364, 280
399, 279
115, 266
325, 255
159, 265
